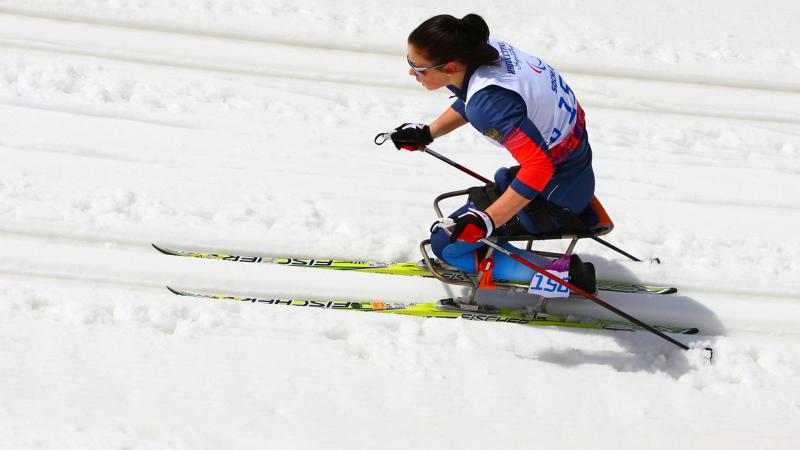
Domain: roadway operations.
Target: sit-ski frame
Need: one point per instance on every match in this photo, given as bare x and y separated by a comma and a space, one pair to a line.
474, 282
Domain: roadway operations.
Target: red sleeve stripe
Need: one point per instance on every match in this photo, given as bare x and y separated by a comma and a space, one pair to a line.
537, 167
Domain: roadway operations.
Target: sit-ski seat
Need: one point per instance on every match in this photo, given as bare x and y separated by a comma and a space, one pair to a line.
553, 221
557, 223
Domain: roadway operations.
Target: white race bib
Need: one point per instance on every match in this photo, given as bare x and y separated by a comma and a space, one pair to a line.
541, 285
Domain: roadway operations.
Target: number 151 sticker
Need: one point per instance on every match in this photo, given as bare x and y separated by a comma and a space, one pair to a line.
541, 285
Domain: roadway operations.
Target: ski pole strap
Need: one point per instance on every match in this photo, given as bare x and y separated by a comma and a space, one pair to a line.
444, 223
380, 138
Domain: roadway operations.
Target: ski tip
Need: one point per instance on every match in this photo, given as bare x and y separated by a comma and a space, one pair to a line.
710, 352
166, 251
691, 331
671, 290
175, 291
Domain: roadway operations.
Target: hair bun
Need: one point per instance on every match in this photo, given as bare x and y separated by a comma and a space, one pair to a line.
475, 28
445, 38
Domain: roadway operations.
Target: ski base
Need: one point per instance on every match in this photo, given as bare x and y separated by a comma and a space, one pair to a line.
444, 309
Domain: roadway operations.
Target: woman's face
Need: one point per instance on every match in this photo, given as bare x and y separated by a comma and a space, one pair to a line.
432, 79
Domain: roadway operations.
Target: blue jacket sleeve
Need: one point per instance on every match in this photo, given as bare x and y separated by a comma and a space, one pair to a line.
460, 108
501, 114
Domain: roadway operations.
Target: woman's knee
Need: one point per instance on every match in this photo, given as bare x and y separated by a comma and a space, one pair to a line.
459, 253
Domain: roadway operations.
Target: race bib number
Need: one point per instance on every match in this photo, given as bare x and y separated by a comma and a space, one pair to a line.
541, 285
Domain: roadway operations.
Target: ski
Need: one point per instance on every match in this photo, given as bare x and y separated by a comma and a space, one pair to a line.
441, 310
402, 268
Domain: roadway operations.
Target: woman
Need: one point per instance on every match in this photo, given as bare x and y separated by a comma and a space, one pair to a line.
520, 103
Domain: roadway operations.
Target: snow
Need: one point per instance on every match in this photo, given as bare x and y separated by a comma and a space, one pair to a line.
247, 125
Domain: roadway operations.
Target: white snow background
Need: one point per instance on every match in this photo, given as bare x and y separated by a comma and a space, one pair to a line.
247, 125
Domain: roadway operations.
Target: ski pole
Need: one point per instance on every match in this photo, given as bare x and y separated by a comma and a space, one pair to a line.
383, 137
623, 252
589, 296
458, 166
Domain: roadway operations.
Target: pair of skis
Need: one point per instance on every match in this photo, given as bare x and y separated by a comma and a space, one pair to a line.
402, 268
441, 309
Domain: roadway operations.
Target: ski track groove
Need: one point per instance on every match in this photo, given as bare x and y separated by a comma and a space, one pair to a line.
56, 49
250, 38
767, 207
101, 114
324, 77
743, 116
160, 287
96, 154
105, 155
108, 154
715, 163
317, 77
47, 237
83, 280
144, 247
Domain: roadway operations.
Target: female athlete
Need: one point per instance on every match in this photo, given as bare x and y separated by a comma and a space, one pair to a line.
519, 102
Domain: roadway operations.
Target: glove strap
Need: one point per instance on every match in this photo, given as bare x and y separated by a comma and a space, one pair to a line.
487, 220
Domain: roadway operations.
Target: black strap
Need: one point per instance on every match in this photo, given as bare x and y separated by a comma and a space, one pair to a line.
541, 214
549, 217
484, 196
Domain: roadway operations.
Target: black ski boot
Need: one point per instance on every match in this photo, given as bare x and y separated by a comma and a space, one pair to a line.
582, 274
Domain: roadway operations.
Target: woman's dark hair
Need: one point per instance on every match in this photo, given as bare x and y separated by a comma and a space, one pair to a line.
445, 38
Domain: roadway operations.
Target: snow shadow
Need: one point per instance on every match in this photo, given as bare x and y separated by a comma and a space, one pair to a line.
640, 354
644, 351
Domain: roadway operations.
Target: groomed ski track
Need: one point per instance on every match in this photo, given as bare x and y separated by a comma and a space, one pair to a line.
208, 52
127, 125
137, 266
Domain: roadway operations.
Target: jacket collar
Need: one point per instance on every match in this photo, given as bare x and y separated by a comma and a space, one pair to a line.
462, 93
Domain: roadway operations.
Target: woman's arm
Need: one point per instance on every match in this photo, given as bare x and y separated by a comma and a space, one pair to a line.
447, 122
506, 207
502, 113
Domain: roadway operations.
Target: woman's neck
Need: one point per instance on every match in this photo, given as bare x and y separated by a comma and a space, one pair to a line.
457, 79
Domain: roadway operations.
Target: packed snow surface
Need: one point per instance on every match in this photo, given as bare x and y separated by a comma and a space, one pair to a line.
247, 126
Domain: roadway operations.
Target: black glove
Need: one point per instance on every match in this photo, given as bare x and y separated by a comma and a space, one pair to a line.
472, 226
411, 136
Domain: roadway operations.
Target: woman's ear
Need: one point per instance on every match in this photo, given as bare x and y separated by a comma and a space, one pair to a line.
451, 68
